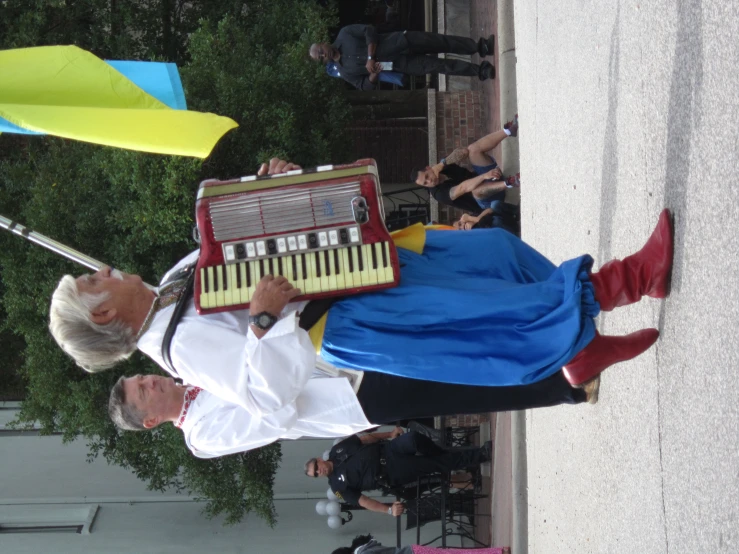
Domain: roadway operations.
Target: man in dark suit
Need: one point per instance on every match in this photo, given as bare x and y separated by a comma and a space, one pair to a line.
362, 53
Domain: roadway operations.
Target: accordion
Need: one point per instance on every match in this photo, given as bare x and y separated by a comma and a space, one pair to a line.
322, 229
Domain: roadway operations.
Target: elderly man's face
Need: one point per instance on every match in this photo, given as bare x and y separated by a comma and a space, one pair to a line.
124, 289
107, 280
427, 177
322, 52
153, 395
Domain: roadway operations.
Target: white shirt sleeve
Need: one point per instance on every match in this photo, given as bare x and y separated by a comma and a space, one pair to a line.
264, 376
231, 429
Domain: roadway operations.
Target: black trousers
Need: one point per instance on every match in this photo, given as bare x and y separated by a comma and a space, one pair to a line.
415, 62
434, 43
413, 455
388, 398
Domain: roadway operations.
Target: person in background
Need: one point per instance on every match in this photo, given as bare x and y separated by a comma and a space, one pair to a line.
472, 191
362, 54
365, 544
389, 460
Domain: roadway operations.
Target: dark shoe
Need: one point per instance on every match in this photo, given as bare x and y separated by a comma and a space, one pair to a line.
487, 451
487, 71
512, 126
646, 273
486, 46
603, 352
435, 435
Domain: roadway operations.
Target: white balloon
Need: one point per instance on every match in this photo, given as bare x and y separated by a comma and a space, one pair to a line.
321, 507
334, 522
331, 496
333, 508
325, 454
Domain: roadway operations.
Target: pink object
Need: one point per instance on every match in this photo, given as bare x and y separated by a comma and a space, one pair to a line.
418, 549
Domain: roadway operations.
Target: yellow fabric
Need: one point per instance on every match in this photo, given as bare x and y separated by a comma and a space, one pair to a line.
411, 238
68, 92
316, 333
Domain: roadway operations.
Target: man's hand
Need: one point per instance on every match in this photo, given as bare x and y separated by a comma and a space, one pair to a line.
271, 295
276, 165
494, 174
373, 66
396, 433
398, 508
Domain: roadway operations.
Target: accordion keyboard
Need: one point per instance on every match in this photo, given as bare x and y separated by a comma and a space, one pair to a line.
321, 271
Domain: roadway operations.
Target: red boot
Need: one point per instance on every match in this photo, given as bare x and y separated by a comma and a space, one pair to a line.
646, 273
606, 351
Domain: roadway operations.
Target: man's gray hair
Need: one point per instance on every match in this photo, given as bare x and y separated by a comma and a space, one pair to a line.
309, 464
94, 347
125, 416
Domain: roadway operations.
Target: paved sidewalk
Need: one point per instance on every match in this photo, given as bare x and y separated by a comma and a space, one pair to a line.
628, 107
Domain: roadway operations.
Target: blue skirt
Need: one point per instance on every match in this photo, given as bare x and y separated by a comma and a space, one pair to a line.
476, 308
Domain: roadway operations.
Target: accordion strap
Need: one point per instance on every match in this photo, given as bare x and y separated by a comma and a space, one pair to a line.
179, 309
310, 315
314, 311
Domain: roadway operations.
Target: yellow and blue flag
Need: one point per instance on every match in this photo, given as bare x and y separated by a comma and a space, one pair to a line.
69, 92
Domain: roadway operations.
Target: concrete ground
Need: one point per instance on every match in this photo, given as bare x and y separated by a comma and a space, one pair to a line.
628, 107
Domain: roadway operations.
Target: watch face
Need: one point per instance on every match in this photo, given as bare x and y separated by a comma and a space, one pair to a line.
264, 320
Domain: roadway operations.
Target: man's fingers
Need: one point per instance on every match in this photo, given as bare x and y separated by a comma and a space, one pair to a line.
286, 286
293, 292
275, 166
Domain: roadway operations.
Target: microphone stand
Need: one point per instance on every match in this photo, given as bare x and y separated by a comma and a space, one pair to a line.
50, 244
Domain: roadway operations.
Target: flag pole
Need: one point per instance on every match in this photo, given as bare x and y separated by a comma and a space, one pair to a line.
50, 244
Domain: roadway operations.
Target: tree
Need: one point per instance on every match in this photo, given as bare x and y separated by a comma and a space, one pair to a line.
246, 61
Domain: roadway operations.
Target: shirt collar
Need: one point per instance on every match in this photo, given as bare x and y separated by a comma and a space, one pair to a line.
190, 395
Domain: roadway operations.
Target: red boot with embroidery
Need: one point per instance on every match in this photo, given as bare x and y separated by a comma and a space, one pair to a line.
604, 351
646, 273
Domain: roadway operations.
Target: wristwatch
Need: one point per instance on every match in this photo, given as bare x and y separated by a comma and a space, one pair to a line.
390, 511
263, 320
369, 57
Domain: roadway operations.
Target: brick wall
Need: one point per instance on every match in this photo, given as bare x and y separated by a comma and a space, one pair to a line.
467, 420
460, 120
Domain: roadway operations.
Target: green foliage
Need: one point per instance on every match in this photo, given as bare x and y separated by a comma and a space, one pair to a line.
244, 60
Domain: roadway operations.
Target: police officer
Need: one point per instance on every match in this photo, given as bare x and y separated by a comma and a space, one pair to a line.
369, 462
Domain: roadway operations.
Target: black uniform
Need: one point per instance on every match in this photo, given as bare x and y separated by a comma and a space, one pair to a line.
405, 49
360, 467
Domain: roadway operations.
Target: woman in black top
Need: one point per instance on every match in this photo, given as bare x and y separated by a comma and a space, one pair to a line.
471, 191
